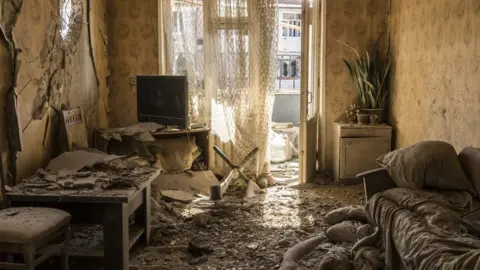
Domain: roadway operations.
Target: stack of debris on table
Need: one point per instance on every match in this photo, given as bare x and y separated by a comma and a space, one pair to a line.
84, 171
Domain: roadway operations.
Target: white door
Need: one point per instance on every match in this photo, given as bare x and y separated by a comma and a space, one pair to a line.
309, 89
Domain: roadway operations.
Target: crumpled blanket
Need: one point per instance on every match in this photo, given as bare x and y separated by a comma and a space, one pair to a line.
423, 230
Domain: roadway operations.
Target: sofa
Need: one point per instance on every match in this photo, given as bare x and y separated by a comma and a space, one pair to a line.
425, 227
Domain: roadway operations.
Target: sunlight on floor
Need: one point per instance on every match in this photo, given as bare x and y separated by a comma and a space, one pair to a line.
281, 209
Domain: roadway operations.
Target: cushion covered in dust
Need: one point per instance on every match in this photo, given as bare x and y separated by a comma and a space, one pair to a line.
429, 164
469, 158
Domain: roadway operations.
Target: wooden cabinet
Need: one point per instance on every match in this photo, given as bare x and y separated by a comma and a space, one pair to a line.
357, 147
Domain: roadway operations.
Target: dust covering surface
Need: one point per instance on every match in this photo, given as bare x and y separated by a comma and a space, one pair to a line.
241, 233
423, 229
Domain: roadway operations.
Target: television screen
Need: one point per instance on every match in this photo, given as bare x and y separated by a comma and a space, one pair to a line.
163, 100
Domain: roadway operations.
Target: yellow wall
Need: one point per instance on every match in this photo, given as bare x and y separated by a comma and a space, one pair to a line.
357, 23
436, 82
51, 74
132, 50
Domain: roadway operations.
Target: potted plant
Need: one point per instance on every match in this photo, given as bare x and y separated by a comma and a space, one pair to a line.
351, 113
370, 75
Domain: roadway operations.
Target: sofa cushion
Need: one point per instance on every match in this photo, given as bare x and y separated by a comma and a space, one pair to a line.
469, 158
25, 225
430, 164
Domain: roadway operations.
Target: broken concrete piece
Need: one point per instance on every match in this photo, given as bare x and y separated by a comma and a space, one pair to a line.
53, 187
201, 219
199, 183
178, 195
88, 183
66, 183
83, 174
77, 160
51, 178
199, 248
140, 128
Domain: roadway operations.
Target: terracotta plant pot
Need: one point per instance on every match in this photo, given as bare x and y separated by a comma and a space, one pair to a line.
363, 118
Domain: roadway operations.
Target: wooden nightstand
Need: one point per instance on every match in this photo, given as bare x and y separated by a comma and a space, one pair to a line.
356, 149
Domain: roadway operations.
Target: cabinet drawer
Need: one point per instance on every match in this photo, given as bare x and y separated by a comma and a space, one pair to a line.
360, 154
365, 132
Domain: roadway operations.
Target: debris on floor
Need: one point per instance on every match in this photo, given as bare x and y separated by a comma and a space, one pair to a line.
242, 233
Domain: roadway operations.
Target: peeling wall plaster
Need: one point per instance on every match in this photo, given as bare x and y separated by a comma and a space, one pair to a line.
133, 50
52, 74
357, 23
436, 82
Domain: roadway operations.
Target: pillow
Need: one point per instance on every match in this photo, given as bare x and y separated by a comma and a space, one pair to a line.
470, 161
431, 164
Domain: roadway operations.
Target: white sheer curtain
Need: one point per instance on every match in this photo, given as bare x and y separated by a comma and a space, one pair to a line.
228, 50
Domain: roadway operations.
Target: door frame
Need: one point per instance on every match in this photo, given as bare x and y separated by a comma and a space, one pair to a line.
311, 122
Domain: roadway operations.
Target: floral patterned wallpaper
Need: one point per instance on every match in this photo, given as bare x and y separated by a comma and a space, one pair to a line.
436, 82
357, 23
132, 50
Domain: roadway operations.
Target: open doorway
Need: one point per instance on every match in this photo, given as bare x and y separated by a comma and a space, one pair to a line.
285, 135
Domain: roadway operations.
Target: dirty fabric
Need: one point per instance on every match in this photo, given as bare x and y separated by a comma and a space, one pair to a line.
174, 155
432, 164
348, 231
422, 229
346, 213
337, 258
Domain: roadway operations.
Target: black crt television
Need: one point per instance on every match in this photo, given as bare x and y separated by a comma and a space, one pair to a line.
163, 100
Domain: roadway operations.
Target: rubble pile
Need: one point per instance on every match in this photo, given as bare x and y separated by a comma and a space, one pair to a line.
240, 233
101, 175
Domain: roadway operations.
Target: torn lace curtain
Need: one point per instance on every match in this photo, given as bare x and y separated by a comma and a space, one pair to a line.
231, 66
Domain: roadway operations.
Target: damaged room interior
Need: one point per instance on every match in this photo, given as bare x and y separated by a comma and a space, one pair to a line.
239, 134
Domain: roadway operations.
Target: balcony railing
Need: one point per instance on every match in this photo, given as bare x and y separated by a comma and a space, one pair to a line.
288, 72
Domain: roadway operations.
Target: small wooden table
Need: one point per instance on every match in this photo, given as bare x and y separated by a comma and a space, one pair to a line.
110, 208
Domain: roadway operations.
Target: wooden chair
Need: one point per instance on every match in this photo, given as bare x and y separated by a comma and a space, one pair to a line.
32, 231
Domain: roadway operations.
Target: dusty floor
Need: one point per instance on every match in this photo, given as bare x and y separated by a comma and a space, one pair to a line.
286, 172
251, 234
240, 233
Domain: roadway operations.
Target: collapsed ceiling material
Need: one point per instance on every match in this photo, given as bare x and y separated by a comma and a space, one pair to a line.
82, 171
